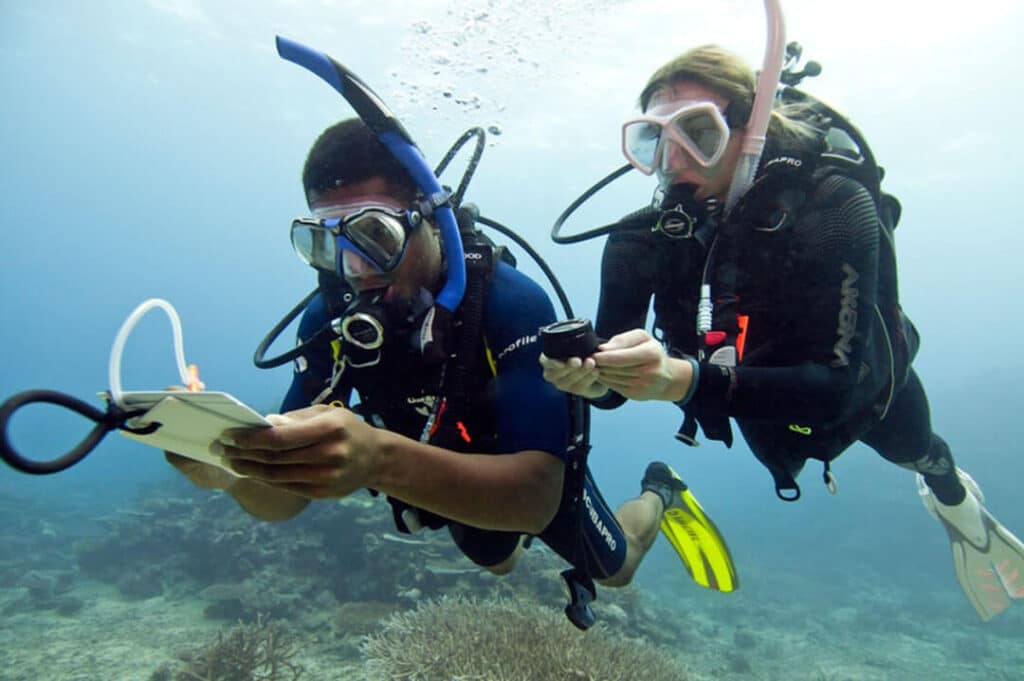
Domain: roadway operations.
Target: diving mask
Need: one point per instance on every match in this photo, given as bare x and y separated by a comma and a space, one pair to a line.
377, 233
697, 127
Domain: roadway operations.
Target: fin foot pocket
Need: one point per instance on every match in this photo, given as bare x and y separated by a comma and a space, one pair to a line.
693, 535
987, 557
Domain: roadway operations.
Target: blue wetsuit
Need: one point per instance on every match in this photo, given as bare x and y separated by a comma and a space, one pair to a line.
512, 409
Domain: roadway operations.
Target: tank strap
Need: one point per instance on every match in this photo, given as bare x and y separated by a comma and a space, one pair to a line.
448, 429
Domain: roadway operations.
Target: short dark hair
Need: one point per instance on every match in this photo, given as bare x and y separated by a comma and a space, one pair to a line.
348, 152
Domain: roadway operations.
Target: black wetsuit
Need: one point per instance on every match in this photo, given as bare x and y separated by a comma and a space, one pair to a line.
511, 409
826, 351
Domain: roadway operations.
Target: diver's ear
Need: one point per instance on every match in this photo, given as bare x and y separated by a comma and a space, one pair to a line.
429, 244
737, 114
435, 236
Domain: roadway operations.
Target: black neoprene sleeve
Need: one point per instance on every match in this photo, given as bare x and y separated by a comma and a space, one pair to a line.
627, 284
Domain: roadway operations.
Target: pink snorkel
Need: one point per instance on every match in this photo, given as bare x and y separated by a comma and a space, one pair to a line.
750, 154
764, 97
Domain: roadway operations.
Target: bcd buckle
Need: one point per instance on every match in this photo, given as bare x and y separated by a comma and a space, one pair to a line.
582, 593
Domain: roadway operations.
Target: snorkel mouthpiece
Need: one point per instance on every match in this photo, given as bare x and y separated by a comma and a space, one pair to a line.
390, 132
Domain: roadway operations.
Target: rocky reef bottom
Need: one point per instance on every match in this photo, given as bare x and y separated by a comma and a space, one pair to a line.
182, 586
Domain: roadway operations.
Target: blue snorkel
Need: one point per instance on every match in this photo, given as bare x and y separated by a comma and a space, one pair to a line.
396, 140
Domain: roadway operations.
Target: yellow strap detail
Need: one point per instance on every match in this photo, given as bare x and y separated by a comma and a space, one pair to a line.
490, 358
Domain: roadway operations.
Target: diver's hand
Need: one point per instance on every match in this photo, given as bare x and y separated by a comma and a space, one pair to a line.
578, 376
319, 452
635, 365
201, 474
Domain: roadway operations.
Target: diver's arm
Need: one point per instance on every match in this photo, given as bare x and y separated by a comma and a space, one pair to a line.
519, 487
832, 330
325, 452
627, 283
636, 365
259, 499
265, 502
514, 492
329, 452
628, 265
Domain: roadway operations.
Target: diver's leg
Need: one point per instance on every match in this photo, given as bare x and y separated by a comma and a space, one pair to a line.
596, 542
493, 550
609, 547
665, 502
506, 566
988, 558
905, 438
689, 529
638, 518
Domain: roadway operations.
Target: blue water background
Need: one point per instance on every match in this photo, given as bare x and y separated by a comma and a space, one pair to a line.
155, 148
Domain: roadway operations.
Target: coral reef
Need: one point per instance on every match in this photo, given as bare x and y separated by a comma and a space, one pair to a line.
185, 543
505, 640
33, 556
340, 576
362, 617
44, 590
257, 651
198, 542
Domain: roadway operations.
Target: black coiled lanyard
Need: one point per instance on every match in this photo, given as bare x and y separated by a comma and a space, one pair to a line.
114, 418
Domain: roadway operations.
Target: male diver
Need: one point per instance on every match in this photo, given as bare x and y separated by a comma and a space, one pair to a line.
493, 476
454, 421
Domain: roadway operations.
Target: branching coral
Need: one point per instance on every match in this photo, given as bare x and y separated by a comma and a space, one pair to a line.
505, 640
258, 651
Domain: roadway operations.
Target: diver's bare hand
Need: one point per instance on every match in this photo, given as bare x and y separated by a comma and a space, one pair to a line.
201, 474
635, 364
576, 375
319, 452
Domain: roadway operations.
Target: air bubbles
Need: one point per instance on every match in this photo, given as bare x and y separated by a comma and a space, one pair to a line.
474, 60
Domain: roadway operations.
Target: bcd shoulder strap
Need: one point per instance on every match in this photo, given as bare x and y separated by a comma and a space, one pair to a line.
460, 368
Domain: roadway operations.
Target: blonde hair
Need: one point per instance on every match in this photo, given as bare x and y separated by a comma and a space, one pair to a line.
726, 74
